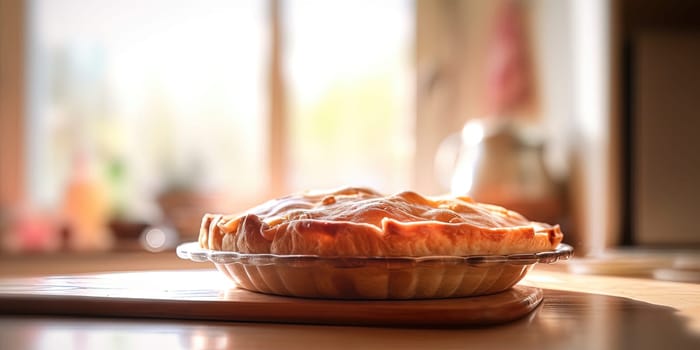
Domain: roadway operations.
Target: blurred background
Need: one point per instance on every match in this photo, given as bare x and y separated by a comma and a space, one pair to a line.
122, 122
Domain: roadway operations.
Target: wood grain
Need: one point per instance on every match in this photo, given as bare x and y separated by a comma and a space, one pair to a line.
204, 295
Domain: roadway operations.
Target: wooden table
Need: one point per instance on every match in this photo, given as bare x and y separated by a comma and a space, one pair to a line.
578, 312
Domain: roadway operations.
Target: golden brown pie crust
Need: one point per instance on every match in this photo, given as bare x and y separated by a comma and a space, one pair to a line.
361, 222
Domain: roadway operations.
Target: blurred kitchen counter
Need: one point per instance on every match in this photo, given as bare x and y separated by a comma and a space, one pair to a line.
90, 262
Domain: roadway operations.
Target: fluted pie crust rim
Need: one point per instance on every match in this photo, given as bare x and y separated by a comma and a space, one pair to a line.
360, 222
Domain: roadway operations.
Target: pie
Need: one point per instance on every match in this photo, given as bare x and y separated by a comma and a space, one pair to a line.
360, 222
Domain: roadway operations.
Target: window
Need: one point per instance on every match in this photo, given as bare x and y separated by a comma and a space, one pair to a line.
350, 82
159, 95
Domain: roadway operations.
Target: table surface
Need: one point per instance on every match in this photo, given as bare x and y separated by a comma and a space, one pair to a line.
578, 312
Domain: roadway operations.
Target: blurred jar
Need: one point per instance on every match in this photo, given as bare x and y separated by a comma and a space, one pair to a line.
29, 230
86, 209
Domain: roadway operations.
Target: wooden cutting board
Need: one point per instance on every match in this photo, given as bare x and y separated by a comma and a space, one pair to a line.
207, 295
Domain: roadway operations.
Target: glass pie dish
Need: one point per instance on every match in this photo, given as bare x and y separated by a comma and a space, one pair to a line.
426, 277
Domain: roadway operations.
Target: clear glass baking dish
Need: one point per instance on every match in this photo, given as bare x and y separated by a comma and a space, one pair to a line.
426, 277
